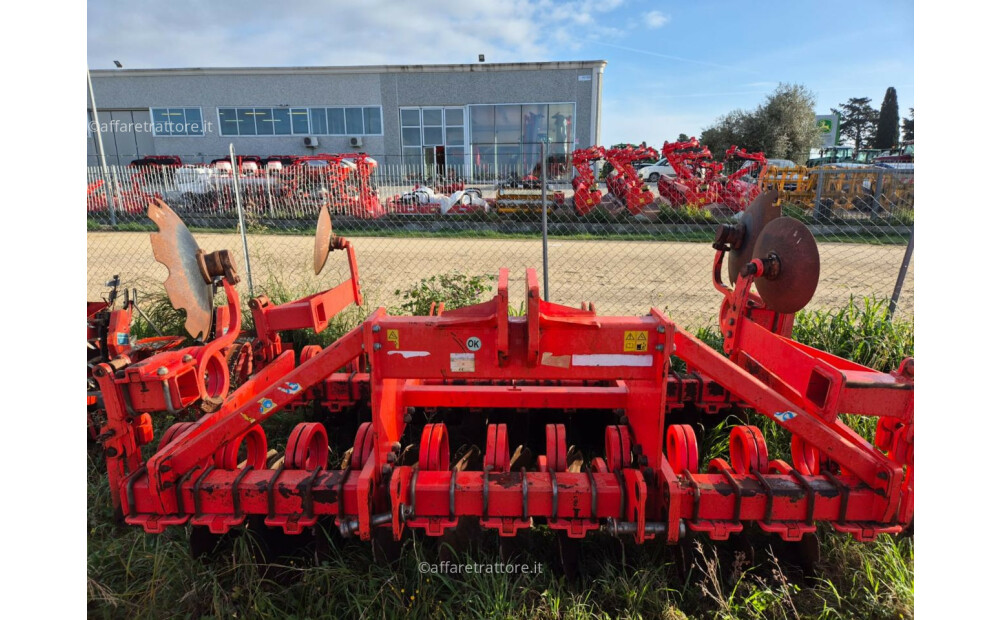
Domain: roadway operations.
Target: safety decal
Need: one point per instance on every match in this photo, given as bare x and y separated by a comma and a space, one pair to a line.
784, 416
290, 388
266, 404
463, 362
636, 341
392, 336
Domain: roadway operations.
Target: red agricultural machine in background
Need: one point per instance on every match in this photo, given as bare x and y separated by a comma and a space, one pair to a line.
586, 193
695, 183
623, 181
130, 195
343, 182
740, 188
580, 420
700, 182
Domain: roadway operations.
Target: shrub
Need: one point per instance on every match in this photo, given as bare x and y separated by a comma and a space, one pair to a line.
685, 214
453, 289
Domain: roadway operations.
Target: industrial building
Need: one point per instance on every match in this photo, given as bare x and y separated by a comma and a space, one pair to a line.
486, 115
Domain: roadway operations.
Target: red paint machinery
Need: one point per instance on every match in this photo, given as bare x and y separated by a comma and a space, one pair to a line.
624, 182
696, 181
743, 186
586, 193
525, 389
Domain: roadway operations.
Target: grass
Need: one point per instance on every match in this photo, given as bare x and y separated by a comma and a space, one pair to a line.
132, 574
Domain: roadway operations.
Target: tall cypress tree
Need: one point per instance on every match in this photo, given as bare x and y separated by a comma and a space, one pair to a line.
887, 133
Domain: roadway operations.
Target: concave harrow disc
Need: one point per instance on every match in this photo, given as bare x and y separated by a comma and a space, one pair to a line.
175, 247
321, 245
760, 212
798, 275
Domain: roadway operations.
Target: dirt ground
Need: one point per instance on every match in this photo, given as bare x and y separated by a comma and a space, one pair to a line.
620, 277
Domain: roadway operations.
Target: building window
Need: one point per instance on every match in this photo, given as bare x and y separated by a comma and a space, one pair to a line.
373, 121
346, 121
272, 121
177, 122
355, 120
507, 138
433, 137
300, 121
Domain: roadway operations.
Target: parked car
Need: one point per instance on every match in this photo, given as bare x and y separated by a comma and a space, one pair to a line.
653, 172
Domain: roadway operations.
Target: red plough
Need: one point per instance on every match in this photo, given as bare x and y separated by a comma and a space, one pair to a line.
743, 186
700, 182
623, 181
586, 193
590, 402
695, 183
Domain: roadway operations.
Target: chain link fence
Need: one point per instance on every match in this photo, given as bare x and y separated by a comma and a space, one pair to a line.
408, 223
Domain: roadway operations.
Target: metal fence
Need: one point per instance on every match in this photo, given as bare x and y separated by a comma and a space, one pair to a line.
410, 223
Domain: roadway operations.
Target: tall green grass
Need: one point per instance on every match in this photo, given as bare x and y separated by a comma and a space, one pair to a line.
862, 331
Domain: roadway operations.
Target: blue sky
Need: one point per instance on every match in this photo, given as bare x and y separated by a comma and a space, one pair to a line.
672, 66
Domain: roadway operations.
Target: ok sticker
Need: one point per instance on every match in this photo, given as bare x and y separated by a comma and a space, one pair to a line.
473, 344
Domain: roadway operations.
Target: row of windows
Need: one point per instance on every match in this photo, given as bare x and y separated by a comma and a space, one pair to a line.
521, 124
341, 121
300, 121
420, 127
177, 122
432, 126
507, 136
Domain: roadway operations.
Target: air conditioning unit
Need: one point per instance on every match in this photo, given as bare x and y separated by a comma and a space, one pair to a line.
311, 141
356, 141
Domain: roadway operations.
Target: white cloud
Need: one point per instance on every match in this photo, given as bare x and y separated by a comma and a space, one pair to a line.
655, 19
185, 33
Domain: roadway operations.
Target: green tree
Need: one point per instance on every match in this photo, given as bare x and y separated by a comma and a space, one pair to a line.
728, 130
887, 132
908, 127
857, 120
784, 126
683, 138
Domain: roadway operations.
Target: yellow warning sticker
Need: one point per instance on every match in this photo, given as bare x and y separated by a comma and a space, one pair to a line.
392, 336
636, 341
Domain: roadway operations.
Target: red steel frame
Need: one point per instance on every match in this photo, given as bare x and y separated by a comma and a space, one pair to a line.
586, 193
552, 358
626, 184
736, 193
691, 186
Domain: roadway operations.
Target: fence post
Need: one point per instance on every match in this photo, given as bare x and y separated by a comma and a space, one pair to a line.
110, 199
270, 198
878, 190
545, 230
903, 268
819, 192
239, 211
